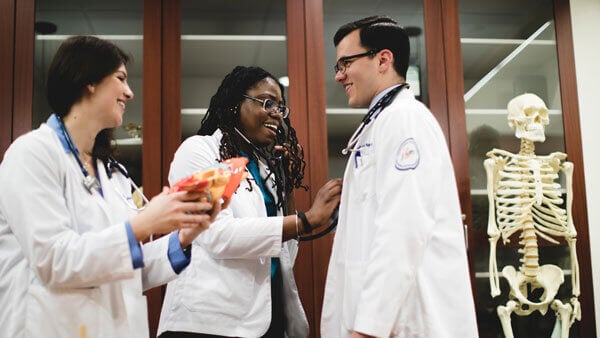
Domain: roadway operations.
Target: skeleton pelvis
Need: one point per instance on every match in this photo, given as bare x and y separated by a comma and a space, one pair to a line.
549, 279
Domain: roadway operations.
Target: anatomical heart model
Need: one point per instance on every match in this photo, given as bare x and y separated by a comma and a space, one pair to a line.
525, 198
221, 180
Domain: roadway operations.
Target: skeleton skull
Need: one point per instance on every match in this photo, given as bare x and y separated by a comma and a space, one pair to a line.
528, 116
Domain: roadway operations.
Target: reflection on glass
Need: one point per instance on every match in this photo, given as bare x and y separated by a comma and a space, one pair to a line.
342, 120
219, 35
118, 21
508, 49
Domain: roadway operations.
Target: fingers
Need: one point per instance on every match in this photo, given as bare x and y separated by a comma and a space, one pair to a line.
283, 149
193, 220
196, 207
226, 203
331, 190
191, 196
216, 209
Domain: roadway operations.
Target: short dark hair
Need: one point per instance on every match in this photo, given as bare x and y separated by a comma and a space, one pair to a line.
223, 114
78, 62
377, 33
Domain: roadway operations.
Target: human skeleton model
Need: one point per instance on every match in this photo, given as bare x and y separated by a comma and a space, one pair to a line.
523, 197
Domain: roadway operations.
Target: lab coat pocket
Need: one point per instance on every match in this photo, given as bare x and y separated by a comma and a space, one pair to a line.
63, 313
362, 157
353, 284
363, 161
225, 284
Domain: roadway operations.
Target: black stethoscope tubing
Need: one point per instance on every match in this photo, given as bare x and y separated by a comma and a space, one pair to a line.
372, 114
279, 176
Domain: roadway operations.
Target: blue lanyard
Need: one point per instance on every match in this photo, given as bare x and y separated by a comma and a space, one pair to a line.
89, 181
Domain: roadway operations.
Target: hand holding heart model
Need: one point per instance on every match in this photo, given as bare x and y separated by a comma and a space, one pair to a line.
221, 180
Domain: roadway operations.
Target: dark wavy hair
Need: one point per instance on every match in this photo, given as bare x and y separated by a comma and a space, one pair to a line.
78, 62
223, 114
377, 33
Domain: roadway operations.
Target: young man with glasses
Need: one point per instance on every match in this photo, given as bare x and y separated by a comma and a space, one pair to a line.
399, 264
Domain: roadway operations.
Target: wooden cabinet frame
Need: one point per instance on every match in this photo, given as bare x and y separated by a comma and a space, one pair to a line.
458, 140
162, 118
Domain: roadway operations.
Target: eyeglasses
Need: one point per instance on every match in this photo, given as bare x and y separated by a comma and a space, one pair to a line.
344, 62
271, 106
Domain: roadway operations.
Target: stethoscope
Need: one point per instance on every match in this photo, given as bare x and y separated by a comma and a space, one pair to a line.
91, 183
279, 176
277, 170
371, 115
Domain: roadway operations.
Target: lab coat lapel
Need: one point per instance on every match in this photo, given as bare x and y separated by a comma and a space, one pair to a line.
113, 207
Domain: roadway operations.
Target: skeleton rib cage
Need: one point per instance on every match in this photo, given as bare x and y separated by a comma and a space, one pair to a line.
525, 196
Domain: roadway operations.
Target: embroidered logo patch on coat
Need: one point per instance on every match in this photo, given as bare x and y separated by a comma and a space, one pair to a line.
408, 155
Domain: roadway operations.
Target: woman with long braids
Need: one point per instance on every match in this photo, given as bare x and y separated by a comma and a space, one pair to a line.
240, 282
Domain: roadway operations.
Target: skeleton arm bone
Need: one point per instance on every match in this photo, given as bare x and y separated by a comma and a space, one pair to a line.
567, 168
491, 169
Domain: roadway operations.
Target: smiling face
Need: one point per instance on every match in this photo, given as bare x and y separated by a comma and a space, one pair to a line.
110, 96
360, 76
256, 124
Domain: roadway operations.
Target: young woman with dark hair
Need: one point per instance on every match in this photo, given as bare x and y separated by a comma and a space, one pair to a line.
72, 262
241, 283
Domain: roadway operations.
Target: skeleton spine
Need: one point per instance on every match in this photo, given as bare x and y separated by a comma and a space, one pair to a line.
530, 261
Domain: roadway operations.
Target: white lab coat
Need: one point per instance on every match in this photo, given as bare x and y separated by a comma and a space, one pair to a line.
65, 260
399, 265
226, 290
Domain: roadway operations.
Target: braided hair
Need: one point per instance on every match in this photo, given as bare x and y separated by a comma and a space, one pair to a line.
223, 114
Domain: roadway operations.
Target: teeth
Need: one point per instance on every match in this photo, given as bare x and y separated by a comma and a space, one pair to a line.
271, 126
122, 104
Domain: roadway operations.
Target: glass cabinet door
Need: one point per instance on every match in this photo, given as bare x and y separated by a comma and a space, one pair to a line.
118, 21
341, 119
216, 36
508, 49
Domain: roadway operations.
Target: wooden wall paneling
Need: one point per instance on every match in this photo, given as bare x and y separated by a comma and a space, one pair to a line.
444, 63
23, 67
7, 44
171, 83
151, 120
297, 98
436, 74
152, 128
317, 131
572, 130
459, 142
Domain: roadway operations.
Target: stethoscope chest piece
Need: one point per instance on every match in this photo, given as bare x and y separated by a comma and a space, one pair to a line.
90, 183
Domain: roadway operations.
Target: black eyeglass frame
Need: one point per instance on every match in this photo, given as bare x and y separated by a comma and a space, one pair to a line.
273, 108
346, 61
